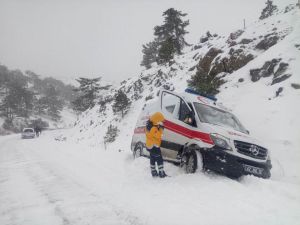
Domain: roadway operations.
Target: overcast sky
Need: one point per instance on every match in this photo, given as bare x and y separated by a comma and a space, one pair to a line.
72, 38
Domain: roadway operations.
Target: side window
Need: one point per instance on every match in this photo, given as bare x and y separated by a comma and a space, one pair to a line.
184, 111
186, 115
170, 104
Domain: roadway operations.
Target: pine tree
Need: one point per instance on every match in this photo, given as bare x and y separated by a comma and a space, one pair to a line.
169, 39
88, 90
53, 103
205, 83
17, 98
40, 106
166, 51
171, 33
268, 10
150, 51
121, 103
111, 134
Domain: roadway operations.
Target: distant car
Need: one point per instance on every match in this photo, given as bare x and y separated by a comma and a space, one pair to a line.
28, 133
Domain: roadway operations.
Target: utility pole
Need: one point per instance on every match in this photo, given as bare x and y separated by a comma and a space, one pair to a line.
245, 22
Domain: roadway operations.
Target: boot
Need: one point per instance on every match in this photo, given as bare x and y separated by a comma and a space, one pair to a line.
154, 173
162, 174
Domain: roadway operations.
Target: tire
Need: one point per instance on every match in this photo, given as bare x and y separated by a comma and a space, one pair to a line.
138, 151
193, 162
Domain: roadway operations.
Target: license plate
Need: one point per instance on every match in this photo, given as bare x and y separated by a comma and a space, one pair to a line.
253, 169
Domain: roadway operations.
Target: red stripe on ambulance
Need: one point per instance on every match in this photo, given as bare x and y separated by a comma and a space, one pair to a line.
139, 130
187, 132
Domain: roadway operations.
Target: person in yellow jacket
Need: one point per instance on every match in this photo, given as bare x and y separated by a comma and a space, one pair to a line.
154, 133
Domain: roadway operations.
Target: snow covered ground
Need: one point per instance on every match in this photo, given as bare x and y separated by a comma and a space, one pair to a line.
45, 181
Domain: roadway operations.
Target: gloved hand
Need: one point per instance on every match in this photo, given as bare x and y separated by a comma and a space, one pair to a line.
160, 126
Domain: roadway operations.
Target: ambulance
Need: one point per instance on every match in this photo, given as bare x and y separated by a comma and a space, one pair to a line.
202, 135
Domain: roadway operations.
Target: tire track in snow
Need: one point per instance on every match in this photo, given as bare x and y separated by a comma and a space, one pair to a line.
64, 193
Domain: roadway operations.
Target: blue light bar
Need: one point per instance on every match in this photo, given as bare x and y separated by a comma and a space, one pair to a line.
194, 92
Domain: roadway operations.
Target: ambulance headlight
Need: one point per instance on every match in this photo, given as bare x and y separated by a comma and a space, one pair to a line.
220, 141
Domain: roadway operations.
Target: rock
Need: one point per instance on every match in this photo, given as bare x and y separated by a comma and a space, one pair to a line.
205, 62
149, 97
279, 91
296, 86
195, 55
245, 41
235, 35
281, 69
267, 42
237, 59
281, 78
255, 74
203, 39
192, 68
289, 8
241, 80
268, 70
197, 47
232, 43
172, 69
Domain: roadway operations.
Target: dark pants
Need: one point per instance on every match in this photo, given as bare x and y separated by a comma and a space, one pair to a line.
155, 156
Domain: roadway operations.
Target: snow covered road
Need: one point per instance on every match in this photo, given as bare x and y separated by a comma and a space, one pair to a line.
43, 181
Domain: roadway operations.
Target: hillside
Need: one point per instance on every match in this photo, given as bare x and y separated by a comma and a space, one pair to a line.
256, 63
28, 100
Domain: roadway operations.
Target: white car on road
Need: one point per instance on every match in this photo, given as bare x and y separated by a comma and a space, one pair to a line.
28, 133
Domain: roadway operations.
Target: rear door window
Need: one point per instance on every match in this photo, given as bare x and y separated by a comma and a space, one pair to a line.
185, 114
170, 104
184, 111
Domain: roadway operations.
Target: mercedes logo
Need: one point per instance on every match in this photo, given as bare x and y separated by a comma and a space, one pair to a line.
254, 150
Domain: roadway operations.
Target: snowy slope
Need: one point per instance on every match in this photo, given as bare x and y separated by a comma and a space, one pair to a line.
274, 120
92, 125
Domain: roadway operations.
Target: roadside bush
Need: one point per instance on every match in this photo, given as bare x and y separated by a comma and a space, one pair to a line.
111, 134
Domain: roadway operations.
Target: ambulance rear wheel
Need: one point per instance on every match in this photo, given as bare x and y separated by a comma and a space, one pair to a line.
138, 150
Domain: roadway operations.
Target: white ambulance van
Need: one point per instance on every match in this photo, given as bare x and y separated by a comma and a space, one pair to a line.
199, 134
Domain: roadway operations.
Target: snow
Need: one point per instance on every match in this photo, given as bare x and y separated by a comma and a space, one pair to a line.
44, 181
71, 177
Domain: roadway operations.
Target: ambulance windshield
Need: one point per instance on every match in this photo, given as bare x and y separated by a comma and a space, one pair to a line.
208, 114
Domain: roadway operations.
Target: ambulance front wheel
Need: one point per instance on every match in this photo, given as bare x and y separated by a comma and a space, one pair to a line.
138, 150
193, 162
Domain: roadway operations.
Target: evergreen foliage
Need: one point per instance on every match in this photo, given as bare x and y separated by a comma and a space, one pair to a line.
121, 103
111, 134
166, 51
87, 93
17, 99
150, 54
169, 39
268, 10
205, 83
173, 29
53, 103
23, 96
